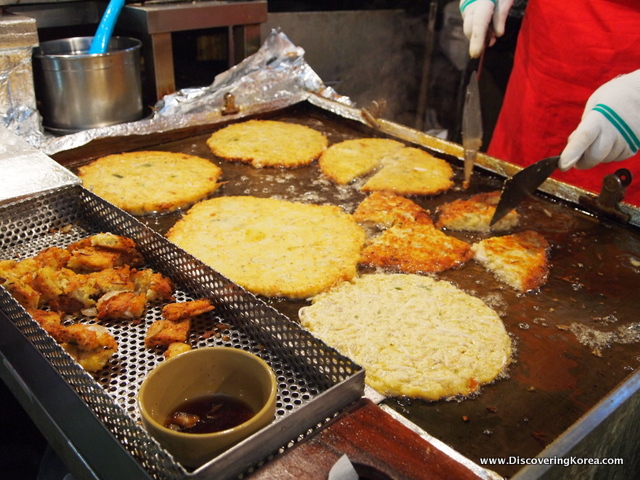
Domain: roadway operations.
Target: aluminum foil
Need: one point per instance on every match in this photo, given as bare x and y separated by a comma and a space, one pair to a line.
18, 35
276, 76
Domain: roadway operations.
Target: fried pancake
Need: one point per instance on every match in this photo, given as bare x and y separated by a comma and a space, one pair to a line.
409, 242
383, 209
272, 247
416, 247
151, 182
415, 336
474, 214
268, 143
519, 260
411, 171
345, 161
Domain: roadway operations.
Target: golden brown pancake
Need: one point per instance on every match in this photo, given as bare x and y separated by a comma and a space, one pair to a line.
519, 260
474, 214
151, 181
272, 247
415, 336
268, 143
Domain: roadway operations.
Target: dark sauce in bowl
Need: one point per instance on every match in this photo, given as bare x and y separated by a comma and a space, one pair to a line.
209, 414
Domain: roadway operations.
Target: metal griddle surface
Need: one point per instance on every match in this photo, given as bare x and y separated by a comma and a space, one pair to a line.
575, 339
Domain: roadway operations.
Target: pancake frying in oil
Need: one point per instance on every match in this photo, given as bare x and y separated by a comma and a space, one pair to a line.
272, 247
415, 336
151, 181
268, 143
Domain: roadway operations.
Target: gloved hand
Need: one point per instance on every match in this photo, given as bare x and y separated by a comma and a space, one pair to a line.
477, 15
610, 127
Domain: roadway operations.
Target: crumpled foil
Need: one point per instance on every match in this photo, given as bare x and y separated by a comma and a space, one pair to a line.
276, 76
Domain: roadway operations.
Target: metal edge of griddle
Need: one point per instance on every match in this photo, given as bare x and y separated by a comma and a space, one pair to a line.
479, 471
555, 188
608, 431
377, 397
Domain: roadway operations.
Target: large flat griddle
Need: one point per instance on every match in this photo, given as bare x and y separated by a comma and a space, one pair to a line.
575, 340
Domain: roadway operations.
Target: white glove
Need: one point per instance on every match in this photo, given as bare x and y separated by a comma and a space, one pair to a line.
477, 15
610, 127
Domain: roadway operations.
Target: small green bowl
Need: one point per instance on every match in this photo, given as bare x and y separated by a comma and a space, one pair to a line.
199, 372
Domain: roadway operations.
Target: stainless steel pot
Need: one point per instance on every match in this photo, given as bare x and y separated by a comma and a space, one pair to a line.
76, 90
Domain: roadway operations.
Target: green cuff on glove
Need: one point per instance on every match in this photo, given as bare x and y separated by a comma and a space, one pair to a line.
465, 4
624, 129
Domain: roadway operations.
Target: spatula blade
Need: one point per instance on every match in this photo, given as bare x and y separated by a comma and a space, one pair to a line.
523, 184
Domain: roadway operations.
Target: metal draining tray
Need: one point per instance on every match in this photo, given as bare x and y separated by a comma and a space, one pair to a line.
314, 381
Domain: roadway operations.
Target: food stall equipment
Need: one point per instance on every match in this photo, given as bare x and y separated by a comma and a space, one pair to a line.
154, 23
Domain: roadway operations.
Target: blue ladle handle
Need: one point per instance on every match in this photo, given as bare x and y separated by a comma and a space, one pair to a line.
100, 42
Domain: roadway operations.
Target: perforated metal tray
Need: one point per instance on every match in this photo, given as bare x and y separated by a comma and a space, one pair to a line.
314, 380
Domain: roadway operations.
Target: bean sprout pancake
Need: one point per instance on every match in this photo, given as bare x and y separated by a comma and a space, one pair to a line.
151, 181
415, 336
272, 247
268, 143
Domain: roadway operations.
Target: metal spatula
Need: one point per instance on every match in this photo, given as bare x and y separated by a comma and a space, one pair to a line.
523, 184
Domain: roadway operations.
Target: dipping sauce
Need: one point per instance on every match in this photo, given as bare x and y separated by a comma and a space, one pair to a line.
209, 414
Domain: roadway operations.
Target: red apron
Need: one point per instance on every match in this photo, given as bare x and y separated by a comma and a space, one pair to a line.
566, 49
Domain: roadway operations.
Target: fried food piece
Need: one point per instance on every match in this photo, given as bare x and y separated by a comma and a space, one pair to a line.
519, 260
175, 349
151, 181
154, 285
107, 241
77, 292
53, 257
384, 209
272, 247
101, 251
415, 336
90, 345
181, 310
117, 279
163, 333
415, 248
175, 323
124, 305
474, 214
16, 277
52, 283
52, 324
268, 143
411, 171
345, 161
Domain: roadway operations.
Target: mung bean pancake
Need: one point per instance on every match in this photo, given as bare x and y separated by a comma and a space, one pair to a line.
268, 143
474, 214
272, 247
411, 171
151, 181
345, 161
391, 166
520, 260
414, 336
407, 240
